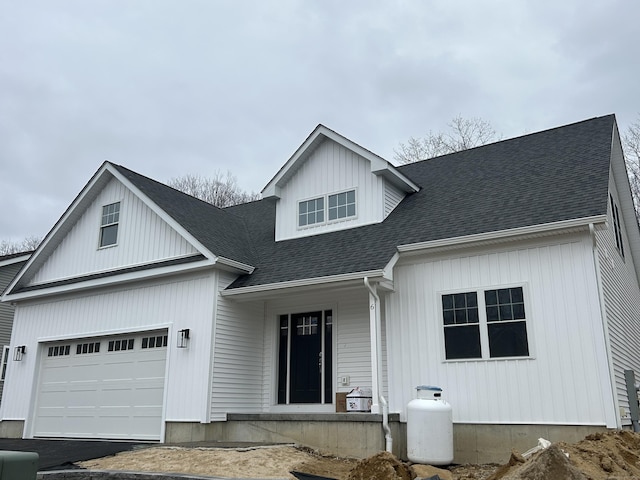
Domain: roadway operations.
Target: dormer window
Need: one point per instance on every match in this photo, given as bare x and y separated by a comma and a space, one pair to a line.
109, 224
311, 212
342, 205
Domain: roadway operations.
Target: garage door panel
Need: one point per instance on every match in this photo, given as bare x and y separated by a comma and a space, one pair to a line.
105, 388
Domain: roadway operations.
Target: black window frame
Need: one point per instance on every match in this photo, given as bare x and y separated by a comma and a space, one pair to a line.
493, 326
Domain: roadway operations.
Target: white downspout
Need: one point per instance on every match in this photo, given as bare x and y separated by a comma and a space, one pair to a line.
376, 363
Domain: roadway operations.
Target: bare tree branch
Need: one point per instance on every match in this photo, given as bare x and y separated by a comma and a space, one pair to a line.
631, 142
28, 244
219, 190
463, 133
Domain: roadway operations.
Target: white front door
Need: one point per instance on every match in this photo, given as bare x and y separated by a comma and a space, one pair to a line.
107, 387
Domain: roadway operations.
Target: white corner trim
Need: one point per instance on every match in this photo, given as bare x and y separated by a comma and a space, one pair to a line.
504, 235
306, 282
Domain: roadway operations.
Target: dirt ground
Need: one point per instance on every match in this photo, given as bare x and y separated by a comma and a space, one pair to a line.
613, 455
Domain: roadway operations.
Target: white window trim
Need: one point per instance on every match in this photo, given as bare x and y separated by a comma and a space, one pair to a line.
118, 223
312, 225
325, 198
483, 324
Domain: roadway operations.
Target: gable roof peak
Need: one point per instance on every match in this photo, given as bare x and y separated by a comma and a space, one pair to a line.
379, 166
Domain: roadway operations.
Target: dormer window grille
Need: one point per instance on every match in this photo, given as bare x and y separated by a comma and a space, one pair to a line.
342, 205
311, 212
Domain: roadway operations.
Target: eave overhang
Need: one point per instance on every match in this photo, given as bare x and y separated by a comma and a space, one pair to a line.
268, 290
490, 238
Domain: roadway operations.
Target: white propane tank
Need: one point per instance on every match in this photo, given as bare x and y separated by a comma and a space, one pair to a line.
429, 428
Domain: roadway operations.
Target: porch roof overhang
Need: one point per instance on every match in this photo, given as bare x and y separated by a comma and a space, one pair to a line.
353, 279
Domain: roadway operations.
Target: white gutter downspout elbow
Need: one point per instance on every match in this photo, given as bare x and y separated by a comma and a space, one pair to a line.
376, 362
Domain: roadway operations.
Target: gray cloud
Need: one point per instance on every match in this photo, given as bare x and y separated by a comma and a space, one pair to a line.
167, 87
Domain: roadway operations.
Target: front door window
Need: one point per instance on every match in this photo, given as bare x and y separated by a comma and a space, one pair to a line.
304, 358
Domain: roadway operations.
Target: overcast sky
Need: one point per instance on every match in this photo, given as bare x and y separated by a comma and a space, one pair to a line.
170, 87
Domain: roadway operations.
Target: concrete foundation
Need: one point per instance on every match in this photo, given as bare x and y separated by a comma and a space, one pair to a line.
360, 435
11, 428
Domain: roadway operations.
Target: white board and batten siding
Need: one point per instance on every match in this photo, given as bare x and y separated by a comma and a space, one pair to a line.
170, 304
622, 305
351, 339
330, 169
143, 237
564, 381
236, 385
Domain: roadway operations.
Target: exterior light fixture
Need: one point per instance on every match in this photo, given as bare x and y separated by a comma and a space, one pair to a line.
18, 352
183, 338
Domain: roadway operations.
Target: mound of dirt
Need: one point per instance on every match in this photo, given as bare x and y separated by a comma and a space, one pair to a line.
381, 466
600, 456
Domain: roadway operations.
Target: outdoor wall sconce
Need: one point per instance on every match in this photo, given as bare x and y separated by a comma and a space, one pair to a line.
183, 338
18, 352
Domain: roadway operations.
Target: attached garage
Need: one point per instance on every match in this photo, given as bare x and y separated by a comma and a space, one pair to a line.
107, 387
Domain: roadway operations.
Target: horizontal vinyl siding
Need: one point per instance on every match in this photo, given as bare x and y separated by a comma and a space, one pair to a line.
622, 307
565, 381
185, 302
238, 355
392, 197
332, 168
6, 310
142, 237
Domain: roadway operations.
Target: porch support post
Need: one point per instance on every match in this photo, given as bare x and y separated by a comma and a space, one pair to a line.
374, 326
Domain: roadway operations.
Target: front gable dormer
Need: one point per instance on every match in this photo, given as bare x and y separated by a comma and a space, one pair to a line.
331, 183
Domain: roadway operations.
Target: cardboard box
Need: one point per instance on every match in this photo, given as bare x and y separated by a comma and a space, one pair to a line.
359, 400
341, 402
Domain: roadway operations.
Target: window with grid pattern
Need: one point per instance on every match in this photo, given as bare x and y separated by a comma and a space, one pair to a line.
311, 212
486, 324
109, 224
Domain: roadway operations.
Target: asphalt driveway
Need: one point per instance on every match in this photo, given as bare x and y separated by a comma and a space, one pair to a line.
61, 454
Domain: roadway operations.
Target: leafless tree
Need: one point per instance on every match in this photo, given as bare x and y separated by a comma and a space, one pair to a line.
26, 245
463, 133
219, 190
631, 142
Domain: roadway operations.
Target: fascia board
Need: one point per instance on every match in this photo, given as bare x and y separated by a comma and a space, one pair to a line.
379, 166
162, 214
272, 188
108, 281
55, 231
243, 267
504, 235
14, 260
306, 282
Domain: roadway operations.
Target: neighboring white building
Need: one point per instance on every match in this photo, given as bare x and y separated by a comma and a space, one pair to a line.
506, 274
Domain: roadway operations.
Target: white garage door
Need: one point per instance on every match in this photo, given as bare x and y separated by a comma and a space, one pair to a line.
108, 387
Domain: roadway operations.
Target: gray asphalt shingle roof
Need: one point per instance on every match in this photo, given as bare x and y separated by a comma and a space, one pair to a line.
545, 177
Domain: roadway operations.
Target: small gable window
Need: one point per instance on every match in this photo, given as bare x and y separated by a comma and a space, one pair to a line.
109, 224
342, 205
310, 212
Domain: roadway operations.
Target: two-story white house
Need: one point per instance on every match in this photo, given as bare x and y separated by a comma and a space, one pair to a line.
506, 274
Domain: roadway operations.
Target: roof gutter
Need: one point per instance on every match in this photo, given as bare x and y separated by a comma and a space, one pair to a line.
532, 231
304, 282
